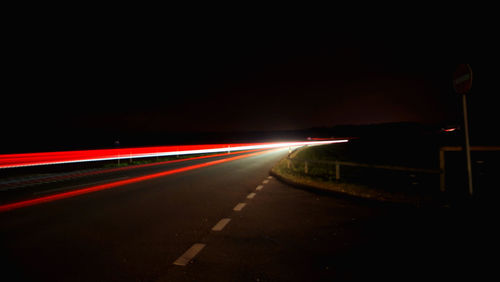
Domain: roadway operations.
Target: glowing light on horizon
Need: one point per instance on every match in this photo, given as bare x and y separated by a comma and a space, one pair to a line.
49, 158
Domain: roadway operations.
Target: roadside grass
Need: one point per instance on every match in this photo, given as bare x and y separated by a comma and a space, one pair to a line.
379, 184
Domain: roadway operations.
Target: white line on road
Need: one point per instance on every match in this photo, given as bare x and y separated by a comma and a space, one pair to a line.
239, 207
80, 185
259, 187
265, 181
251, 195
189, 254
221, 224
269, 177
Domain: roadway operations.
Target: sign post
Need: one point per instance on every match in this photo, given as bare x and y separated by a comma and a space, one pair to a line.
462, 82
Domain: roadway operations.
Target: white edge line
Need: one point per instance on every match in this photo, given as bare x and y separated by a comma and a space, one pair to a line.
74, 187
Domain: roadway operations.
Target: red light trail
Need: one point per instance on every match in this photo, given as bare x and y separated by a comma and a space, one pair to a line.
105, 186
31, 159
104, 171
47, 158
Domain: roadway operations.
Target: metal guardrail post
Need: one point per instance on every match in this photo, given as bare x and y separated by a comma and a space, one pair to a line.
442, 176
337, 170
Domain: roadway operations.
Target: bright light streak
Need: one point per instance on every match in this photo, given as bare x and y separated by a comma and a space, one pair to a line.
104, 171
48, 158
110, 185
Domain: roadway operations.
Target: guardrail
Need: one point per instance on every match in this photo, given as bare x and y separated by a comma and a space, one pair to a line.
304, 165
333, 170
339, 163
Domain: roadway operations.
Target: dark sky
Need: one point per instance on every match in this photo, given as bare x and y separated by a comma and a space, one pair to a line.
143, 78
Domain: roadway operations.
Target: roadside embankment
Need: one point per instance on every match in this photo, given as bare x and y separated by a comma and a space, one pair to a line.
305, 169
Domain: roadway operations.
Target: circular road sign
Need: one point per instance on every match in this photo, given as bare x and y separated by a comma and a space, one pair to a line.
462, 79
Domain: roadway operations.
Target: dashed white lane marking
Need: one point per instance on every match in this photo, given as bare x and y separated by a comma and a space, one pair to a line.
259, 187
189, 254
239, 207
221, 224
265, 181
269, 177
251, 195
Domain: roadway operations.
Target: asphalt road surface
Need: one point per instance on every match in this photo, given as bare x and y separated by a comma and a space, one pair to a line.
231, 221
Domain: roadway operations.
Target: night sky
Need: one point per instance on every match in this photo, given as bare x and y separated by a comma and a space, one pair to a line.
66, 81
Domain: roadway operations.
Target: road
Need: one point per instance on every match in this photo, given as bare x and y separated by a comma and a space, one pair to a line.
230, 221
